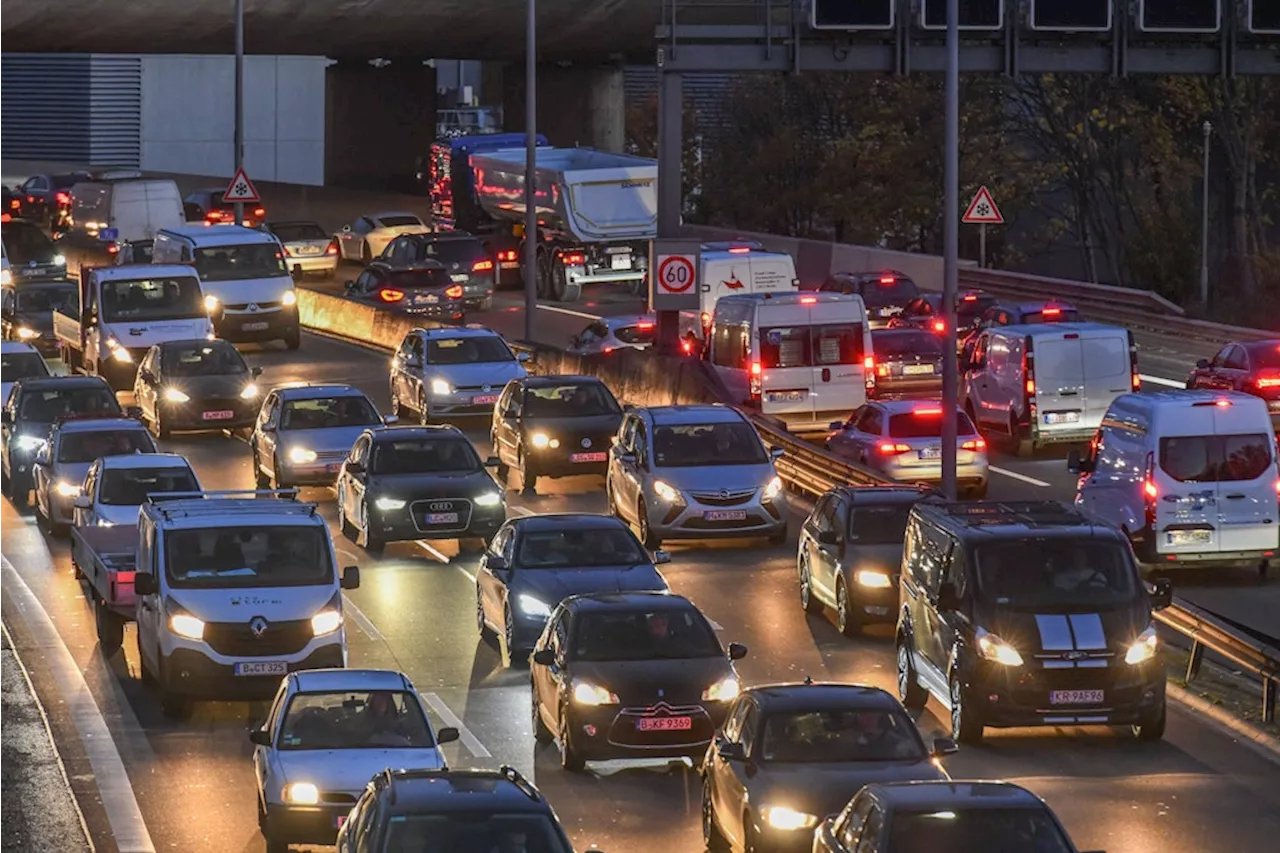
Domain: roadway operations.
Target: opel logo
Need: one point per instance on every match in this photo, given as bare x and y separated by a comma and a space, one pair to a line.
586, 442
724, 493
253, 306
258, 626
440, 506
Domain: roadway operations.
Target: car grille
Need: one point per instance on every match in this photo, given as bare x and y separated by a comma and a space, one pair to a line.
421, 509
724, 498
244, 306
623, 731
336, 798
700, 523
237, 639
331, 455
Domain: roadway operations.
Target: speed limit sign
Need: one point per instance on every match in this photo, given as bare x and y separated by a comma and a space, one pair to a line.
675, 275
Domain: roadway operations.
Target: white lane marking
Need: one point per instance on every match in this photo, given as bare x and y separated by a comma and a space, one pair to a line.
1160, 380
715, 626
471, 576
1023, 477
365, 623
469, 740
432, 550
521, 510
583, 314
118, 800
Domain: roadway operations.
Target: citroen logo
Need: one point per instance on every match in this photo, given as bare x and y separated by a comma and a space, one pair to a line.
258, 626
253, 306
586, 442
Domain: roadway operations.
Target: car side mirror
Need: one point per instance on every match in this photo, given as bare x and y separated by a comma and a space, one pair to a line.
388, 420
1202, 364
492, 462
943, 746
660, 557
42, 456
144, 583
544, 657
349, 285
354, 467
828, 537
497, 563
524, 357
1162, 595
448, 734
737, 651
255, 371
627, 458
836, 425
260, 737
83, 502
351, 577
733, 752
777, 453
948, 601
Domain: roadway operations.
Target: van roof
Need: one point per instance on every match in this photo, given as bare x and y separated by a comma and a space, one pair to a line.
1171, 402
1058, 329
737, 253
129, 272
1002, 519
220, 235
792, 297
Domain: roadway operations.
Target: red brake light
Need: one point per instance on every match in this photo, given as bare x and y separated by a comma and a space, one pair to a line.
939, 326
608, 350
1222, 404
31, 199
889, 448
706, 319
14, 203
1149, 489
974, 444
454, 292
808, 300
1031, 387
644, 325
6, 217
389, 295
574, 259
259, 211
333, 248
756, 369
1051, 312
886, 279
969, 297
113, 248
686, 347
740, 250
482, 266
62, 197
869, 362
507, 255
1268, 382
926, 412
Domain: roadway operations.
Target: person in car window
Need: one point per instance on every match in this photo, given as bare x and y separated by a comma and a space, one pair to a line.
380, 720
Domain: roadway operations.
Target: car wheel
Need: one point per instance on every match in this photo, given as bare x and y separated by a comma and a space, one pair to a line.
750, 841
366, 254
424, 412
485, 633
293, 340
570, 759
509, 636
109, 627
157, 423
19, 491
711, 835
910, 693
528, 476
261, 479
344, 523
274, 844
1021, 447
144, 671
541, 734
966, 727
848, 617
1151, 728
651, 540
372, 543
610, 502
173, 705
503, 470
808, 600
276, 480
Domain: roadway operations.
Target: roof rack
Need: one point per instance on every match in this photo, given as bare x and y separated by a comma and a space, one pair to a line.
388, 778
1028, 513
229, 502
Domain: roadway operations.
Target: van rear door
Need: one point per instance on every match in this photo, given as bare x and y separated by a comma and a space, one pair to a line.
1247, 478
772, 273
1107, 372
1180, 485
1059, 381
841, 340
786, 362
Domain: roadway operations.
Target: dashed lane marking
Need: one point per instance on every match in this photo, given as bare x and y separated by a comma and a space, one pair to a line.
469, 740
433, 551
521, 510
1023, 477
583, 314
1160, 380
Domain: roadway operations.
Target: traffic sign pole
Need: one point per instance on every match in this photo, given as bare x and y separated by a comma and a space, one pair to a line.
982, 245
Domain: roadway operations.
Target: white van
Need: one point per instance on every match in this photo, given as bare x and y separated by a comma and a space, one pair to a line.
1047, 384
738, 269
247, 287
105, 213
1190, 476
805, 358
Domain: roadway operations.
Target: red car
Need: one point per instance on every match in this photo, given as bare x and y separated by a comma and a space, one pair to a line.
1249, 366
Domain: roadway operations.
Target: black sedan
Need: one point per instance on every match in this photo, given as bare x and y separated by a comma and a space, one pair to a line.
423, 290
537, 561
554, 426
406, 483
792, 754
45, 198
885, 293
630, 675
196, 385
32, 255
27, 314
908, 363
925, 312
463, 255
1252, 367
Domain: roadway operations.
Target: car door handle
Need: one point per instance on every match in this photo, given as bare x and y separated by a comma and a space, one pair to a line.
1068, 393
1237, 497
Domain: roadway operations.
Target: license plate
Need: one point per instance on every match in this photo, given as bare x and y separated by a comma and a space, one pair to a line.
426, 299
510, 265
333, 467
484, 399
462, 277
1076, 697
339, 821
588, 457
1062, 417
223, 415
931, 453
255, 327
664, 724
262, 667
1188, 537
310, 250
725, 515
912, 369
621, 262
787, 396
442, 518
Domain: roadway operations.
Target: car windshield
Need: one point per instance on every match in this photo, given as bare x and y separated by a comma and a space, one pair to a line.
473, 831
290, 232
432, 277
879, 525
470, 350
578, 400
887, 289
214, 358
1055, 574
398, 221
926, 423
348, 410
248, 557
24, 243
640, 333
234, 263
644, 635
39, 300
840, 735
691, 445
424, 456
579, 548
1266, 356
357, 719
152, 299
87, 446
977, 831
45, 405
130, 486
898, 344
22, 365
452, 251
1216, 458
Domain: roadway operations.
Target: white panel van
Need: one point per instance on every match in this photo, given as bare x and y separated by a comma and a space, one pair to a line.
105, 213
739, 269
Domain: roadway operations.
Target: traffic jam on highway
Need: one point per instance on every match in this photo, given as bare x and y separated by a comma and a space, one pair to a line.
177, 346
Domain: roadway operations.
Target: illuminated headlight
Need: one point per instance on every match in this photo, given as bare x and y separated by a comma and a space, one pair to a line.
66, 490
59, 261
102, 522
724, 690
531, 606
210, 303
6, 277
25, 334
995, 649
301, 794
665, 492
1143, 648
30, 442
250, 391
301, 455
186, 625
386, 504
173, 395
326, 622
781, 817
541, 440
774, 489
118, 352
489, 499
441, 388
289, 298
873, 579
586, 693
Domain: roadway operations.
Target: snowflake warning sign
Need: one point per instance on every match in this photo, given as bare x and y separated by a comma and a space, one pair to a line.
240, 189
982, 210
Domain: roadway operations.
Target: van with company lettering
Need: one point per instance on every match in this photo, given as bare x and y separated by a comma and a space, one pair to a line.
1189, 476
805, 358
738, 268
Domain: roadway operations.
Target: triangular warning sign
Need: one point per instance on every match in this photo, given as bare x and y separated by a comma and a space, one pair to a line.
982, 210
240, 189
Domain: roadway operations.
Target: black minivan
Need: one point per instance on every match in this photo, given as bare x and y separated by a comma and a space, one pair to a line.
1027, 613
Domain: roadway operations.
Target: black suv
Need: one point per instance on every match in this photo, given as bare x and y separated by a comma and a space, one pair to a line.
457, 810
1027, 614
31, 254
463, 255
885, 293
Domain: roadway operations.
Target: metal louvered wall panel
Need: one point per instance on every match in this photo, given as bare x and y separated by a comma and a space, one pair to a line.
115, 110
44, 107
704, 93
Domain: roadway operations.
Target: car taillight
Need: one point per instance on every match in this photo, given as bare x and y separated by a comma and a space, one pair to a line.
573, 259
112, 248
939, 326
287, 253
389, 295
259, 211
974, 444
882, 370
31, 199
507, 255
757, 380
1135, 380
1031, 387
890, 448
686, 347
482, 266
645, 326
1149, 490
454, 292
62, 197
869, 371
1268, 382
608, 350
215, 216
333, 248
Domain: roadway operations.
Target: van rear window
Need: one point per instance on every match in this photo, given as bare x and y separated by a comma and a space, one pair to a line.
926, 423
811, 346
1215, 458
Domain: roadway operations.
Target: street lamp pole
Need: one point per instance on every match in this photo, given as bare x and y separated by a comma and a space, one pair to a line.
1204, 220
530, 172
950, 250
239, 132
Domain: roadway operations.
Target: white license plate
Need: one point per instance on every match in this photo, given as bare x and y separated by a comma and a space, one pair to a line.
484, 399
263, 667
462, 277
427, 299
931, 453
222, 415
1062, 417
915, 369
511, 265
1188, 537
442, 518
310, 250
588, 457
725, 515
787, 396
621, 262
1076, 697
255, 327
664, 724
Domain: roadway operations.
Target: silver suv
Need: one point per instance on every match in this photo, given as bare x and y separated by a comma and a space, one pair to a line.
447, 372
694, 472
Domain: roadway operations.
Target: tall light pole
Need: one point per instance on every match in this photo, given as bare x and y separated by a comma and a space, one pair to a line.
950, 250
530, 171
1204, 219
239, 133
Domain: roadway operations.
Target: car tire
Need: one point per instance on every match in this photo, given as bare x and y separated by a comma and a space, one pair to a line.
19, 491
528, 477
481, 627
1021, 447
366, 254
173, 705
509, 637
274, 844
1151, 729
712, 837
541, 734
109, 627
966, 725
157, 424
144, 671
503, 470
611, 503
372, 543
261, 480
910, 693
344, 523
848, 618
651, 540
808, 601
293, 340
570, 758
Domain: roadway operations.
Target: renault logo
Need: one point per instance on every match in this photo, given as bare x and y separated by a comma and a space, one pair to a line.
258, 626
253, 306
586, 442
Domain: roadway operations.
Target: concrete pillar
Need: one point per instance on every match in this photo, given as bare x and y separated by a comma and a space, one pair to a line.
577, 105
378, 123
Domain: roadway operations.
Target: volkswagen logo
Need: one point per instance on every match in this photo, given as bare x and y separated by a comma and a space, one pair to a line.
661, 693
586, 442
258, 626
253, 306
487, 388
441, 506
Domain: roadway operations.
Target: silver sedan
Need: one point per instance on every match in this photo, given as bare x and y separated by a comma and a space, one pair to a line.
633, 331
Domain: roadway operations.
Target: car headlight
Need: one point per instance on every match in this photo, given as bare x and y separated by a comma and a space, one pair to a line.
326, 622
289, 298
66, 490
300, 794
541, 440
873, 579
774, 489
665, 492
440, 387
995, 649
250, 391
186, 625
386, 504
531, 606
724, 690
102, 522
586, 693
210, 303
301, 455
6, 277
781, 817
59, 261
489, 499
173, 395
118, 352
25, 334
30, 442
1144, 648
